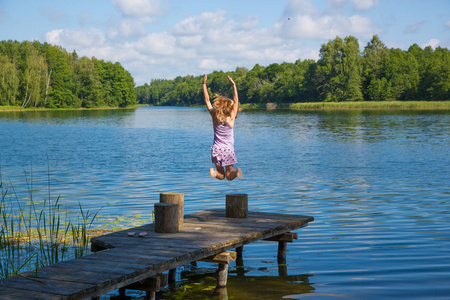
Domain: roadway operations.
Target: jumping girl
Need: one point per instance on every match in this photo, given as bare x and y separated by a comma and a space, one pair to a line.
223, 112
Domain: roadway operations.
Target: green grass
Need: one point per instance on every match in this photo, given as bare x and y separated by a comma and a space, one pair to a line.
356, 105
18, 108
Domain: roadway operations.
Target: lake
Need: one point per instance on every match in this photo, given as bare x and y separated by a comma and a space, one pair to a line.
376, 182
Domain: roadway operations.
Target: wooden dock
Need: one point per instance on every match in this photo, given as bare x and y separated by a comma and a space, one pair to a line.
121, 261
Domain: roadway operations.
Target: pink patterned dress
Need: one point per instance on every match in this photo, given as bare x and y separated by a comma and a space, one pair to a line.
222, 151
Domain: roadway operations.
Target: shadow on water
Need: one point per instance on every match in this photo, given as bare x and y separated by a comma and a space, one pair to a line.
200, 283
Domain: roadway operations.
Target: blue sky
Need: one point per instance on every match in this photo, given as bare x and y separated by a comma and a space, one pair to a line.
168, 38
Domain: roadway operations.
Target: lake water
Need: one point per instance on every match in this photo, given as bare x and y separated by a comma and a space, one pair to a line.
377, 183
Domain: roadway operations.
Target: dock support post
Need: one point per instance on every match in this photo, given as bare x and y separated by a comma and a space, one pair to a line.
166, 218
150, 295
239, 251
172, 275
222, 276
282, 267
236, 206
176, 198
282, 249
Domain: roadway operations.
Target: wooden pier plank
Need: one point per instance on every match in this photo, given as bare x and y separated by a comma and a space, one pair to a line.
10, 293
59, 288
132, 259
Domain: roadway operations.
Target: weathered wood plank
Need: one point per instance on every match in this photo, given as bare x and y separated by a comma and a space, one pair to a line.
285, 237
43, 285
222, 258
132, 259
10, 293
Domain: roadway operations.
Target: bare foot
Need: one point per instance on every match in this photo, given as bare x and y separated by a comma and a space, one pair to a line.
212, 172
238, 172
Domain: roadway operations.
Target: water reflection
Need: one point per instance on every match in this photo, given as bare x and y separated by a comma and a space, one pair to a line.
376, 182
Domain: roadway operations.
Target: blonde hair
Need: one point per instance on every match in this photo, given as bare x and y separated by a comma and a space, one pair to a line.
223, 107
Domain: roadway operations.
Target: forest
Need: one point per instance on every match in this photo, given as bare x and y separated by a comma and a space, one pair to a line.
34, 74
342, 73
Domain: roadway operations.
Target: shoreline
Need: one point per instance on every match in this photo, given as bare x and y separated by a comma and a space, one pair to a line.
282, 106
18, 108
350, 105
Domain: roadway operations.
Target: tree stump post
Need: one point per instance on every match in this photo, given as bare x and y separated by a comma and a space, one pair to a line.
166, 218
236, 206
176, 198
222, 276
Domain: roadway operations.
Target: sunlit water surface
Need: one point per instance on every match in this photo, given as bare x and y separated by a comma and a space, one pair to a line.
376, 182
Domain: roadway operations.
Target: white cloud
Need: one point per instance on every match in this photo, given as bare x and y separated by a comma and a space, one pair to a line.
75, 39
130, 28
356, 4
433, 43
302, 20
198, 24
208, 41
326, 27
162, 44
299, 7
137, 8
364, 4
447, 24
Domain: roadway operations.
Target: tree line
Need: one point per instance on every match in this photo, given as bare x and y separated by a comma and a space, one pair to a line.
34, 74
342, 73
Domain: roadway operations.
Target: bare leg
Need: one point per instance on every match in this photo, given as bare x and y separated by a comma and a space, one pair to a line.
232, 174
219, 173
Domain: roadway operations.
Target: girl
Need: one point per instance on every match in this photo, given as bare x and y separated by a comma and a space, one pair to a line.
223, 112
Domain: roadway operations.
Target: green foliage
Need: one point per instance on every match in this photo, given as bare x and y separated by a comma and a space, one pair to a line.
342, 73
44, 75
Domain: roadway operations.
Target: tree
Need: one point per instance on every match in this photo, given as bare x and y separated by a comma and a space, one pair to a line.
60, 94
34, 77
374, 85
87, 83
338, 74
9, 81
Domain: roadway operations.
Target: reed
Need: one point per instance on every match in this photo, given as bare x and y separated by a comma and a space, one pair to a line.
353, 105
34, 234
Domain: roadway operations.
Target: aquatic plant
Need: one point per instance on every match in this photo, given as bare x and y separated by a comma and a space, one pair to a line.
35, 233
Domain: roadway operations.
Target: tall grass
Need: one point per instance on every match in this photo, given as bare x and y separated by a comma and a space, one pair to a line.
35, 233
352, 105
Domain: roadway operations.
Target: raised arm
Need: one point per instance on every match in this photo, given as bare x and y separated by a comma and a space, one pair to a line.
235, 99
206, 95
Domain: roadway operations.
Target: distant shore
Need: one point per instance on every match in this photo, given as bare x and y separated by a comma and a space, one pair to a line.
18, 108
287, 106
352, 105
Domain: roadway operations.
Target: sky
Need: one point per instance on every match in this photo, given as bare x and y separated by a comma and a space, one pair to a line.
163, 39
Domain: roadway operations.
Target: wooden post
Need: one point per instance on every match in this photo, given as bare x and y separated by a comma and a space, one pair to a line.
236, 206
223, 275
239, 251
166, 218
150, 295
177, 198
240, 262
172, 275
282, 249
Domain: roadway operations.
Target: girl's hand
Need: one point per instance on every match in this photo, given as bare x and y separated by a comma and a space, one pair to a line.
231, 80
204, 79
